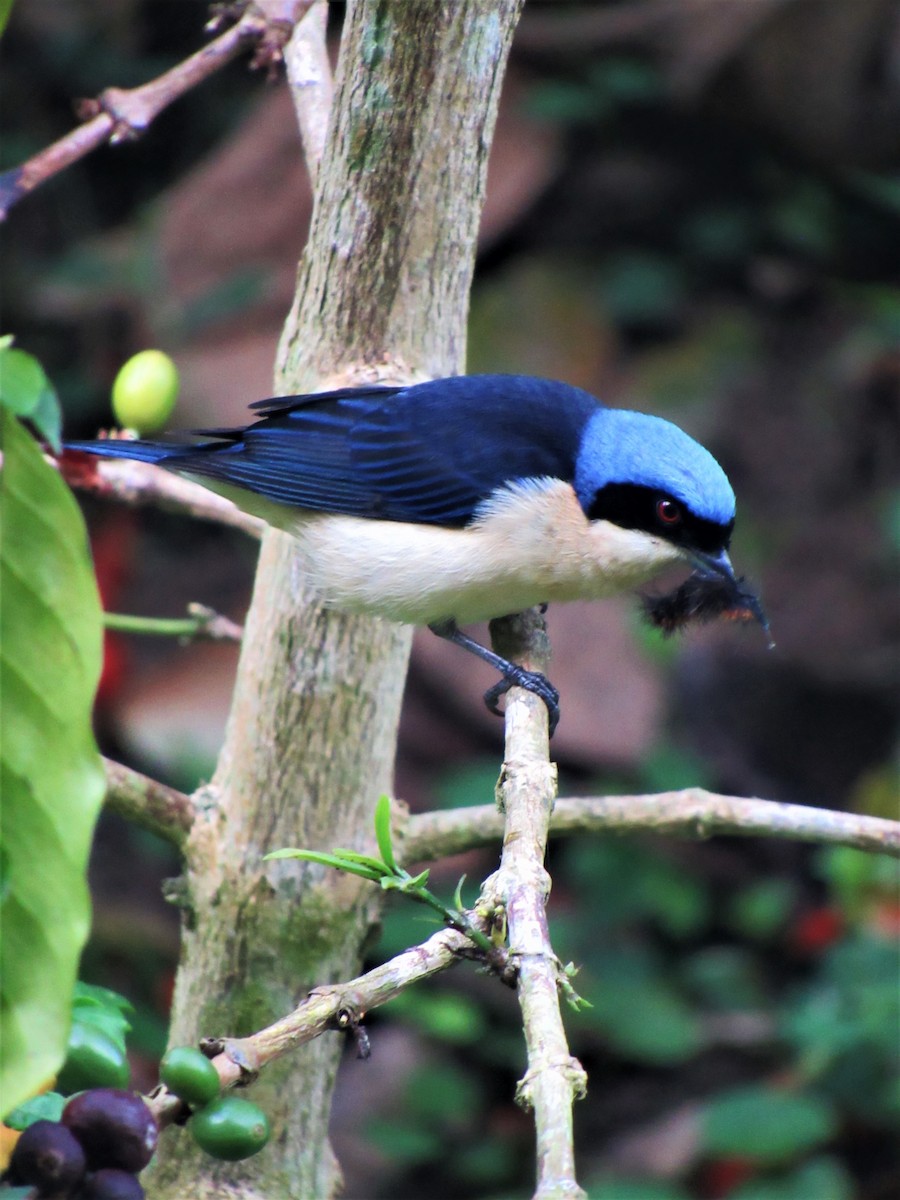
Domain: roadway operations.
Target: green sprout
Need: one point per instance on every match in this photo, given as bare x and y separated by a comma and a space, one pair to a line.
389, 875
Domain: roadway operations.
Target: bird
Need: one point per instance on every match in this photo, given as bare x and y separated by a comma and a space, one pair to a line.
466, 498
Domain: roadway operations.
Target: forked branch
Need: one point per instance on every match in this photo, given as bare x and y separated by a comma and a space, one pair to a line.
121, 114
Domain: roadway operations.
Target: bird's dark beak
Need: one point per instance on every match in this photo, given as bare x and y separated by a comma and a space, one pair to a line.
713, 566
712, 591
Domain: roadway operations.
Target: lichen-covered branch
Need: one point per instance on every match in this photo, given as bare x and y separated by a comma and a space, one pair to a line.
149, 804
519, 890
691, 812
338, 1007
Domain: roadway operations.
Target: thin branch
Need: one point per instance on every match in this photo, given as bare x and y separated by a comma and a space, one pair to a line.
121, 114
202, 624
691, 812
140, 483
311, 83
340, 1006
149, 804
553, 1079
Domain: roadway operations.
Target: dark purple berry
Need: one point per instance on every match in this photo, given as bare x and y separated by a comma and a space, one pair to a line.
115, 1128
112, 1184
47, 1156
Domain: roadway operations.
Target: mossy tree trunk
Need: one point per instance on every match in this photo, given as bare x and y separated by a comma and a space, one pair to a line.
382, 294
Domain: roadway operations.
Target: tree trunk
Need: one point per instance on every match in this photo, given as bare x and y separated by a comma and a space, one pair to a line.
382, 294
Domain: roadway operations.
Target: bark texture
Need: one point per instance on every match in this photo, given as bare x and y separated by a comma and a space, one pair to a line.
382, 294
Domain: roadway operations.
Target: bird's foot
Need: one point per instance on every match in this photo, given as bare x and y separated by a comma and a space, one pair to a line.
532, 681
513, 675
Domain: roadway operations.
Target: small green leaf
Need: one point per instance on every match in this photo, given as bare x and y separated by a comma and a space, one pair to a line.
761, 910
51, 775
457, 895
92, 993
328, 860
383, 831
5, 10
367, 860
26, 391
416, 881
46, 1107
109, 1021
449, 1016
95, 1057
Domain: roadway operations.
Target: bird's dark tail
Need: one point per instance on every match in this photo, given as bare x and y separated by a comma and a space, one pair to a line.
151, 452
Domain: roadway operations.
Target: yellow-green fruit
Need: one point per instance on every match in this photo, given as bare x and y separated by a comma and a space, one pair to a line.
145, 390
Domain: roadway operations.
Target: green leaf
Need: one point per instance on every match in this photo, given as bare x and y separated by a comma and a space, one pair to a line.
403, 1143
412, 882
46, 1107
818, 1179
93, 994
26, 391
646, 1019
5, 10
761, 910
51, 775
367, 860
618, 1187
383, 831
108, 1020
766, 1125
328, 860
448, 1016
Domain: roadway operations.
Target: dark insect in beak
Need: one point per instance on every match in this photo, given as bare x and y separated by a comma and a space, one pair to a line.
701, 598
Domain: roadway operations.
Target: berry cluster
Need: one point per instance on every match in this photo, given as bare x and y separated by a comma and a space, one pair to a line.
94, 1152
106, 1136
225, 1127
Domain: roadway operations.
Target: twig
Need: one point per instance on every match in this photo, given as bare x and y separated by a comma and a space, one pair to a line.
553, 1079
120, 114
142, 483
162, 810
332, 1007
692, 812
202, 624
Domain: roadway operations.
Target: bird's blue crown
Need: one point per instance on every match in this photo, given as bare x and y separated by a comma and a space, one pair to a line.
619, 446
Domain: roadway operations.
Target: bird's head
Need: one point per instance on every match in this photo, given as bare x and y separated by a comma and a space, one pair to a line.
645, 474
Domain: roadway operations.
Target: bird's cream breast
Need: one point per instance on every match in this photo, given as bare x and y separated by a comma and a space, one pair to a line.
531, 543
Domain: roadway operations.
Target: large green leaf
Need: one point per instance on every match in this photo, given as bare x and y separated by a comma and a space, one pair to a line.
51, 776
766, 1124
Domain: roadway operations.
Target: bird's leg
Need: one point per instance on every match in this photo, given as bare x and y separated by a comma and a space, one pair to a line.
513, 675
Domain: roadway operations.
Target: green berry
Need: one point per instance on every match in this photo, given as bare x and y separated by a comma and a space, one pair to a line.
93, 1059
190, 1075
230, 1128
145, 390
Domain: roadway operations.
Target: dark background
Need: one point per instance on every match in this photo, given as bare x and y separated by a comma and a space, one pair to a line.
693, 209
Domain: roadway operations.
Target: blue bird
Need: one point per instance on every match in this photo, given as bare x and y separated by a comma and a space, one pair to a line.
468, 498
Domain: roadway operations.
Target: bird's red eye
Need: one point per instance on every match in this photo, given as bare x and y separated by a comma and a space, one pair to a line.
668, 511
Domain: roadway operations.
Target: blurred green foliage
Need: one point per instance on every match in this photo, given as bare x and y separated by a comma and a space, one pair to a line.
670, 970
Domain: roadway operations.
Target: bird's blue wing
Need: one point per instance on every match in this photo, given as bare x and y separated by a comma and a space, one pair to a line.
430, 453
